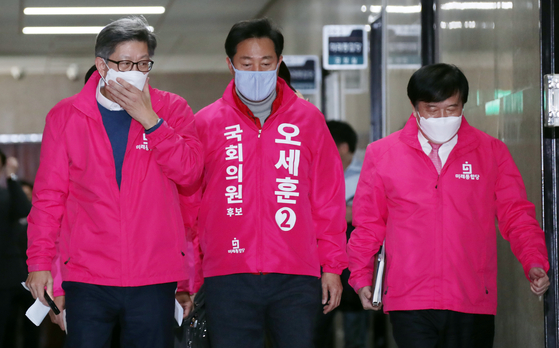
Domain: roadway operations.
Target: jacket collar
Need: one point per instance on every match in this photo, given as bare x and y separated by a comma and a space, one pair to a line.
467, 138
86, 100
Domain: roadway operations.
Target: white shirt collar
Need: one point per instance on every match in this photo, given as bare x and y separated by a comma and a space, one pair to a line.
444, 150
101, 99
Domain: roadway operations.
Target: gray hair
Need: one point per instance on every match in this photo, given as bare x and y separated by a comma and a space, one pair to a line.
134, 28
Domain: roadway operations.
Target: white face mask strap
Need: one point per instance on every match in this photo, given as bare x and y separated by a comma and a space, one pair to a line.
107, 65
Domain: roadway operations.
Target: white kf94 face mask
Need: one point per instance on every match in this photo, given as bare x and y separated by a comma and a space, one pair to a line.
439, 129
255, 85
135, 78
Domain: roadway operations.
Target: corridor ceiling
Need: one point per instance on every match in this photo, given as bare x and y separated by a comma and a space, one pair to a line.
187, 27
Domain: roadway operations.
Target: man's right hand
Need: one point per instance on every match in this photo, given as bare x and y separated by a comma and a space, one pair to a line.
366, 297
37, 281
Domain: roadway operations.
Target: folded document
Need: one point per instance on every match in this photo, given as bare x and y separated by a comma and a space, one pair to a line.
377, 294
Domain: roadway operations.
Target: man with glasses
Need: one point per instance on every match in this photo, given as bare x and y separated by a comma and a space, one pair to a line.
115, 159
433, 191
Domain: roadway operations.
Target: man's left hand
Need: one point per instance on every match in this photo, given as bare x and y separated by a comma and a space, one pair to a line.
185, 301
539, 281
58, 319
137, 103
331, 287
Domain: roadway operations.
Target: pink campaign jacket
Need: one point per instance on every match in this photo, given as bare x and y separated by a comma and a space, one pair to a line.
129, 237
273, 198
441, 242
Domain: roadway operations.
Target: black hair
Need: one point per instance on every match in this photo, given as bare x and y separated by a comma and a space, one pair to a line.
342, 132
134, 28
90, 72
2, 158
284, 73
254, 28
436, 83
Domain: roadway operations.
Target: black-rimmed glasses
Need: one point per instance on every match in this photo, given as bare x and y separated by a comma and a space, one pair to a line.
127, 65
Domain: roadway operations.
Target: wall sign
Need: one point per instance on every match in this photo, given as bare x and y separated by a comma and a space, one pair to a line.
344, 47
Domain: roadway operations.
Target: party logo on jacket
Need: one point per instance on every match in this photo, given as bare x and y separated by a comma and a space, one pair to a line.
236, 249
144, 144
467, 173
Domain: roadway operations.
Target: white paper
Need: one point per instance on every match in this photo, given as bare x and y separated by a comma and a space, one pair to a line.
64, 320
179, 312
37, 312
377, 294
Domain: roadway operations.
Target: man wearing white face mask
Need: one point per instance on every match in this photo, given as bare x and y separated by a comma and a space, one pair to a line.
115, 159
272, 212
432, 191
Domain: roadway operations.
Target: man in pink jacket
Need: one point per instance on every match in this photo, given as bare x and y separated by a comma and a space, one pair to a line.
272, 209
106, 201
433, 191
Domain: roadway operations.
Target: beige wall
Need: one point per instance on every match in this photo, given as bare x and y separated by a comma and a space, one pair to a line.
503, 59
26, 102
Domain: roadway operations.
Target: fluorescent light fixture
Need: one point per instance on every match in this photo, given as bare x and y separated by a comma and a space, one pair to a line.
64, 30
20, 138
467, 25
403, 9
455, 25
120, 10
495, 5
396, 9
363, 8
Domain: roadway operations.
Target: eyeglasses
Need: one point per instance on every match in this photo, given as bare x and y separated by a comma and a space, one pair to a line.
127, 65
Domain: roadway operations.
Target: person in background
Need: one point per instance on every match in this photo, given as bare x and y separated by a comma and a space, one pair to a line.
14, 205
113, 160
355, 319
19, 328
283, 73
272, 208
433, 191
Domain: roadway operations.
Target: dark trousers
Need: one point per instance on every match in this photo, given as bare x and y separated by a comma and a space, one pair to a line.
442, 328
7, 296
19, 327
241, 308
145, 315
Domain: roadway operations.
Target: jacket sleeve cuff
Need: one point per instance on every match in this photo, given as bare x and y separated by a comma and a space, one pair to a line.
327, 269
152, 129
532, 265
39, 267
58, 292
359, 282
183, 286
159, 134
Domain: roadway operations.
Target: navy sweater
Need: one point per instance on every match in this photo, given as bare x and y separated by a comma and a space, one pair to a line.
117, 125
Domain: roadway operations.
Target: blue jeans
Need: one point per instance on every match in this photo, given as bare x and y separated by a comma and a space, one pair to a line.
241, 308
145, 314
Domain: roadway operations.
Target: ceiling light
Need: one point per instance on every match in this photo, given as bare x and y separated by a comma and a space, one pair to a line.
505, 5
64, 30
403, 9
396, 9
124, 10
